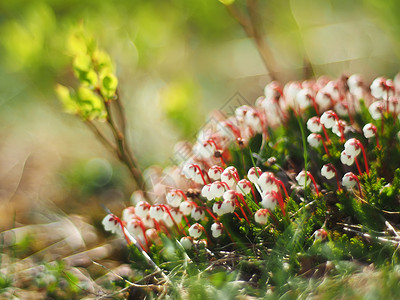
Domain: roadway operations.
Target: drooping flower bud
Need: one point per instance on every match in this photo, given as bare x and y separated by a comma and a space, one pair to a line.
267, 182
174, 198
376, 109
352, 147
346, 159
328, 171
215, 172
228, 206
217, 189
216, 230
142, 209
229, 176
243, 187
301, 178
320, 234
206, 193
253, 174
328, 118
314, 140
369, 130
186, 242
261, 216
269, 200
314, 125
198, 213
195, 230
218, 208
156, 212
186, 207
349, 180
110, 223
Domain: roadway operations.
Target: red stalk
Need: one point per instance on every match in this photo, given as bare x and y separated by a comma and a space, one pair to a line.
244, 202
313, 180
241, 209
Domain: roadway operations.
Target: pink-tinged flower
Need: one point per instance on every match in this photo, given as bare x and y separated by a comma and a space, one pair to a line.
328, 171
128, 213
339, 125
186, 207
217, 189
352, 147
341, 109
254, 174
111, 223
216, 230
229, 195
320, 234
198, 213
204, 149
176, 215
174, 198
189, 170
349, 180
206, 193
142, 209
243, 187
148, 221
328, 118
393, 105
346, 159
376, 109
228, 206
332, 89
196, 230
229, 176
269, 200
382, 88
252, 119
355, 84
135, 227
303, 98
261, 216
186, 242
156, 212
301, 178
314, 125
314, 140
267, 182
218, 208
323, 99
369, 130
290, 91
273, 90
215, 172
241, 112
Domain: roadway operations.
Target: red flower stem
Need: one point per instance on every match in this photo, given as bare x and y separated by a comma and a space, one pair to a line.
208, 237
236, 214
328, 140
234, 129
358, 166
326, 149
201, 173
358, 183
208, 177
337, 180
313, 180
340, 128
225, 184
365, 157
187, 221
182, 193
156, 225
283, 187
315, 105
123, 229
144, 231
281, 203
172, 218
254, 194
211, 214
273, 217
377, 141
244, 203
241, 209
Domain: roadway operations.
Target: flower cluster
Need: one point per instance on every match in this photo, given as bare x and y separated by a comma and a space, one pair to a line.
216, 187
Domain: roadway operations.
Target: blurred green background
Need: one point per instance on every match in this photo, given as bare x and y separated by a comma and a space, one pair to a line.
176, 60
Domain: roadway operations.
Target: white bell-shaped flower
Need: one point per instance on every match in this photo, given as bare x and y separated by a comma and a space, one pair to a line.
111, 223
186, 207
195, 230
142, 209
376, 109
369, 130
186, 242
174, 198
217, 189
206, 193
301, 178
228, 206
156, 212
352, 147
134, 227
267, 182
349, 180
243, 187
328, 171
128, 213
254, 174
218, 208
229, 176
215, 172
346, 159
269, 200
314, 125
314, 140
216, 230
229, 195
261, 216
198, 213
328, 118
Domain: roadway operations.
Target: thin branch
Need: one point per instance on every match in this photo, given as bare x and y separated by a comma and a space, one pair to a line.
103, 139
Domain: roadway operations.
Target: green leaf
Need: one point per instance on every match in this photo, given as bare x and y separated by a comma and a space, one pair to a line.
109, 84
